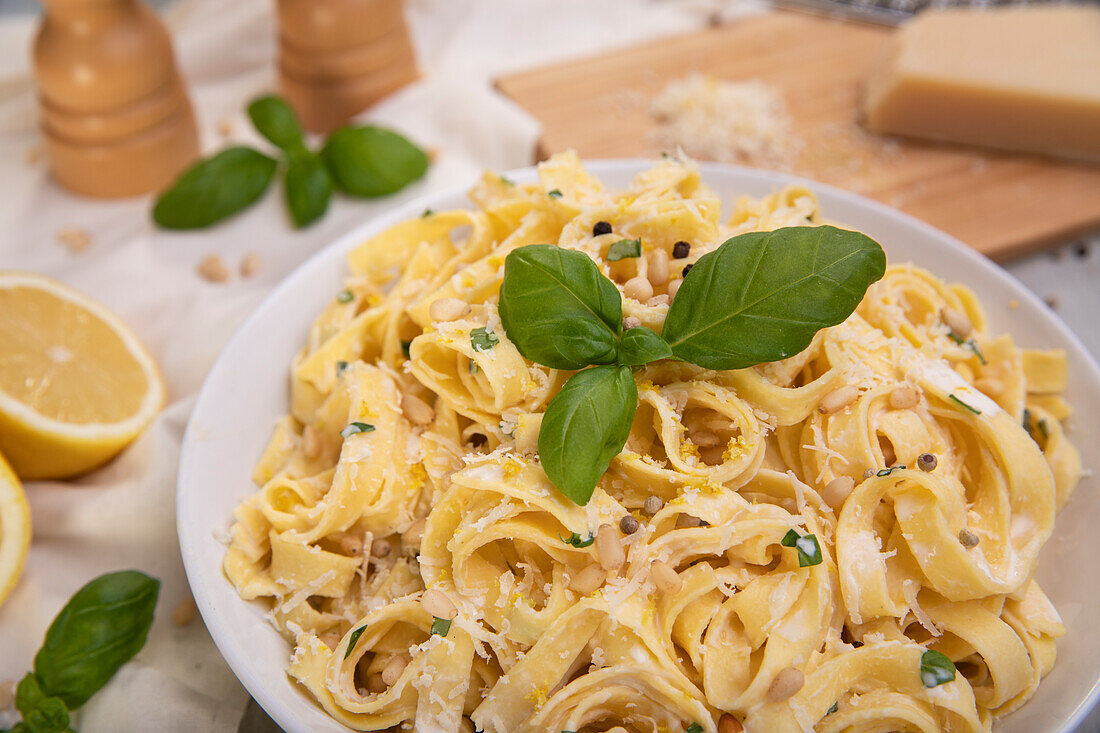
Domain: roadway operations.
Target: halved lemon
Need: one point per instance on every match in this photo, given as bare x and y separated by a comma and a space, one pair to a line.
76, 384
15, 529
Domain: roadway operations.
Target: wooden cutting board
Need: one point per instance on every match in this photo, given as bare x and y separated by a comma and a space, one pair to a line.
1002, 205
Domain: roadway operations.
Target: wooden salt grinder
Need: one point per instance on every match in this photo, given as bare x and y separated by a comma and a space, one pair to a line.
113, 110
338, 56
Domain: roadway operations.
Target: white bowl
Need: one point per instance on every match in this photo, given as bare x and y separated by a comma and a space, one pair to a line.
247, 387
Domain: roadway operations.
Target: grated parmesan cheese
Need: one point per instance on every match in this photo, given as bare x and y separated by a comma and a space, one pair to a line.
726, 121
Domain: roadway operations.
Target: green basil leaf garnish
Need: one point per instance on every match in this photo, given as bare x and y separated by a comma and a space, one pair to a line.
344, 296
888, 471
50, 716
275, 120
809, 552
694, 728
576, 541
372, 161
585, 426
482, 339
624, 249
341, 366
546, 287
936, 669
307, 186
101, 628
962, 404
353, 640
355, 428
440, 626
761, 296
554, 193
640, 346
29, 694
214, 188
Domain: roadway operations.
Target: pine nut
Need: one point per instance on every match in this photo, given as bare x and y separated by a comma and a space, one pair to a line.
331, 640
7, 694
213, 269
351, 545
588, 581
959, 324
786, 684
380, 548
653, 504
631, 322
250, 265
687, 520
837, 490
638, 288
311, 442
667, 580
904, 398
417, 410
704, 439
927, 462
411, 537
448, 309
837, 400
628, 524
992, 387
673, 288
968, 539
658, 267
184, 613
77, 240
375, 684
393, 669
436, 603
729, 724
609, 549
657, 300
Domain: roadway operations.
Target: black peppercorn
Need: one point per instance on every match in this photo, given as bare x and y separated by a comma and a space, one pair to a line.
602, 227
680, 250
687, 269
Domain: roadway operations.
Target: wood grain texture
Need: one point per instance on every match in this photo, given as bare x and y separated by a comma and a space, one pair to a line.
1002, 205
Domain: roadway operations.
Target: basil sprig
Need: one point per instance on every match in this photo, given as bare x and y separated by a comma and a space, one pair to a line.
759, 297
361, 161
936, 669
101, 628
809, 552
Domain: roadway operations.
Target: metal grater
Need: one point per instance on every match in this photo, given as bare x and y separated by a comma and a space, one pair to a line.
893, 12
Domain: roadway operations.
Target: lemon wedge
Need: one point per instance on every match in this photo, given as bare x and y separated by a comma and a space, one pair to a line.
76, 384
15, 529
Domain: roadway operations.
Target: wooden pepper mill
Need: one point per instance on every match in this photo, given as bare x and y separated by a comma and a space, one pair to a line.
338, 56
113, 110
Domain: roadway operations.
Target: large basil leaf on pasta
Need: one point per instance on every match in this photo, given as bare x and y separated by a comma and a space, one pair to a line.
585, 426
761, 296
558, 308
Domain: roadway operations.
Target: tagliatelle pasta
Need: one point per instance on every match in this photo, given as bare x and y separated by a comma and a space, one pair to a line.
430, 577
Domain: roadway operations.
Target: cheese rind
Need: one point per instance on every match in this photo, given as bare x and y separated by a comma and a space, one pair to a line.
1016, 78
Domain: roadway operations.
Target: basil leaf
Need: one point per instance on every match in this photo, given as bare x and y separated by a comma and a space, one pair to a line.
554, 193
585, 426
307, 187
576, 541
214, 188
355, 428
353, 640
888, 471
936, 669
694, 728
344, 296
28, 694
440, 626
51, 716
101, 628
275, 120
964, 405
762, 296
809, 552
623, 249
546, 287
640, 346
371, 161
482, 339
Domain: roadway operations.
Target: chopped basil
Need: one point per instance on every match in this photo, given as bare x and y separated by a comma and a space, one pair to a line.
483, 339
355, 428
474, 368
695, 728
809, 552
554, 192
624, 249
956, 400
341, 366
936, 669
354, 639
426, 214
440, 626
344, 296
405, 348
888, 471
970, 344
507, 181
833, 709
576, 541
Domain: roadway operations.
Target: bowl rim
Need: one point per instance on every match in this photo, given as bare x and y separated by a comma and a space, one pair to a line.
237, 659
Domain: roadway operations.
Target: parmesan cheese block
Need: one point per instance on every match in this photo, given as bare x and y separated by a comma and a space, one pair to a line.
1016, 78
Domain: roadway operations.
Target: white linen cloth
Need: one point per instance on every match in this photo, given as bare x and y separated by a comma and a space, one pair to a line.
123, 516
